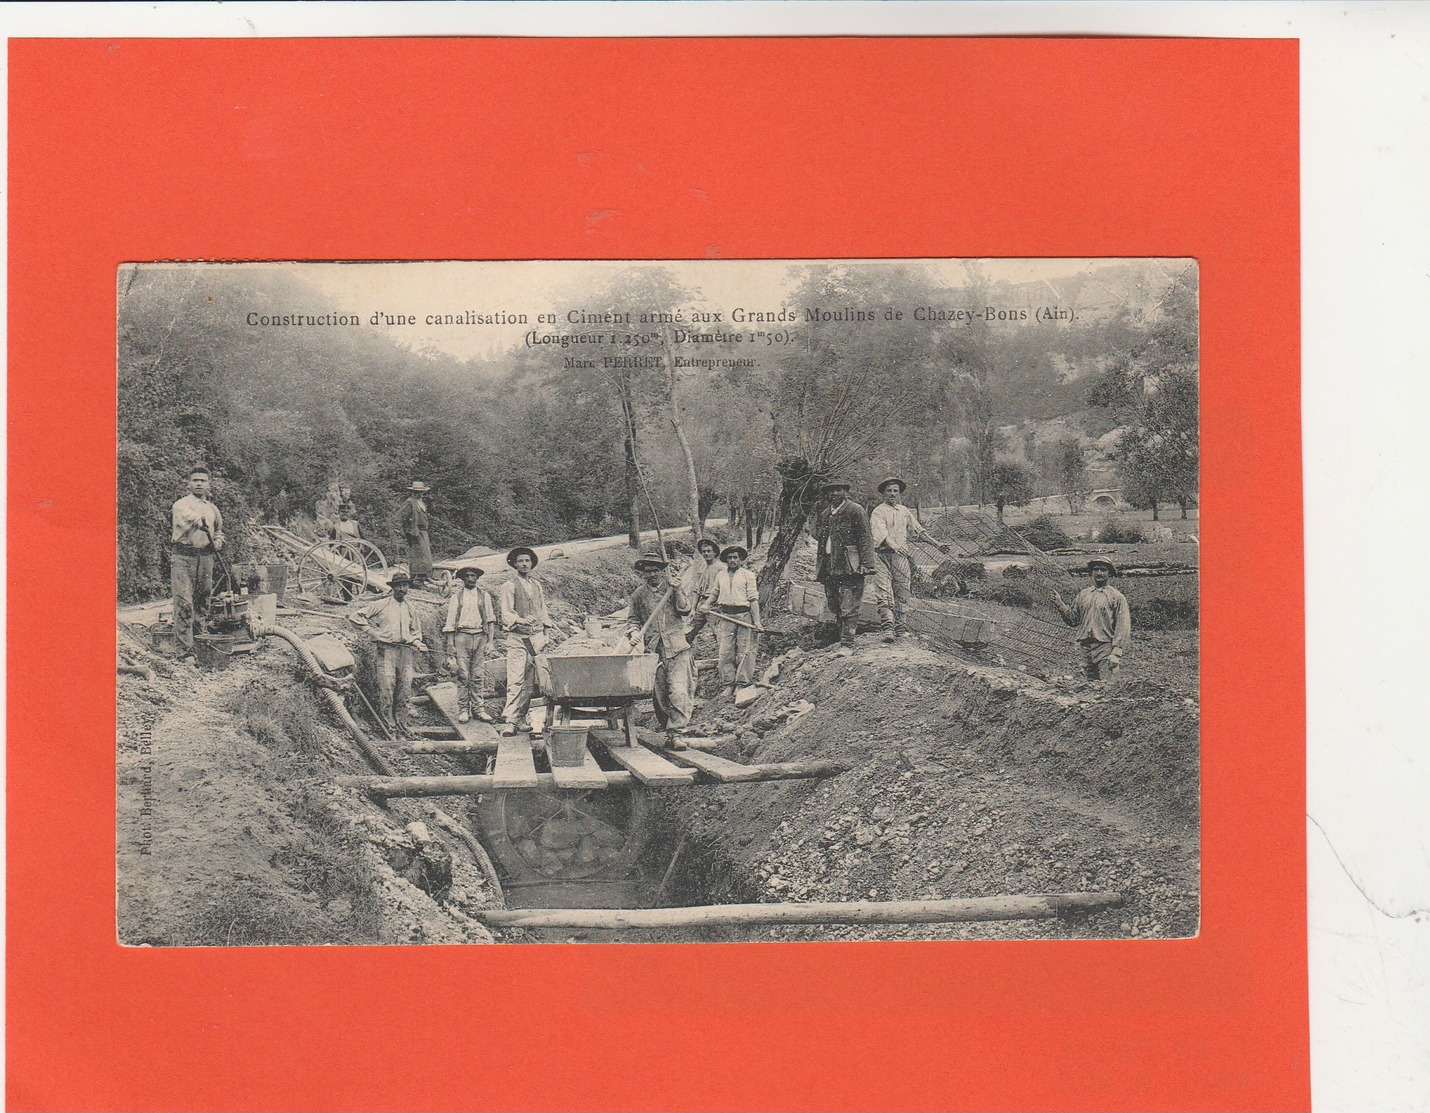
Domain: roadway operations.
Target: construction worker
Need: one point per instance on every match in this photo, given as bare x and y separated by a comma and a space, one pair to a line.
734, 602
196, 534
846, 557
892, 525
699, 580
1103, 621
470, 627
521, 612
396, 636
660, 605
346, 526
414, 522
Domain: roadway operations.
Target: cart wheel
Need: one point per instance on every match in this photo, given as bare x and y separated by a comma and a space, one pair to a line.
339, 571
565, 836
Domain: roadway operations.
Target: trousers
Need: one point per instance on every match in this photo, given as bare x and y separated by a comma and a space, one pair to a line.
520, 680
394, 684
1095, 660
736, 648
471, 650
673, 699
893, 586
191, 583
845, 595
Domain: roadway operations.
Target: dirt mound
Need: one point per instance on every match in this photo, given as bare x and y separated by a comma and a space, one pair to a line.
963, 781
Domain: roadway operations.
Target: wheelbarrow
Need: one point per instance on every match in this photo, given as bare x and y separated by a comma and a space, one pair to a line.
607, 684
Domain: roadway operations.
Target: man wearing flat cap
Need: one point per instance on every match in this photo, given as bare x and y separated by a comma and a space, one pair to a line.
414, 524
521, 611
470, 627
1103, 621
893, 526
396, 636
846, 557
660, 605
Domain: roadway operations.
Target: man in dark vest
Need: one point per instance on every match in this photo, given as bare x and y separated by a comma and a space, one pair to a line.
414, 523
846, 557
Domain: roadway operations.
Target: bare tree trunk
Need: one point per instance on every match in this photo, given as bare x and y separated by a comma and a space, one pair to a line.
750, 523
697, 520
633, 483
798, 496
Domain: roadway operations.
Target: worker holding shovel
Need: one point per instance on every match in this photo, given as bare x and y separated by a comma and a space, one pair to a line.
734, 601
196, 535
659, 607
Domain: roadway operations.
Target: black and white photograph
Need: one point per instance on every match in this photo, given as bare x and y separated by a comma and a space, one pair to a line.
708, 601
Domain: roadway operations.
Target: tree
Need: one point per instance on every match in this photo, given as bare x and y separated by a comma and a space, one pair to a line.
1065, 467
1011, 484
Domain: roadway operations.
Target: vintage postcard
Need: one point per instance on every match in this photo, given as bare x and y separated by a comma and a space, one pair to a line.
685, 601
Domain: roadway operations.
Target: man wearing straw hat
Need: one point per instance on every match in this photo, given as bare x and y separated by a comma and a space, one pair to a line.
734, 603
521, 611
471, 624
1103, 621
659, 607
396, 636
846, 557
893, 526
414, 523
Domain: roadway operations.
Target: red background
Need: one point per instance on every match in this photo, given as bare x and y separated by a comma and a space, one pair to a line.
793, 148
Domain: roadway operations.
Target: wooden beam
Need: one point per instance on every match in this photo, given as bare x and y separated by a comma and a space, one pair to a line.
727, 772
457, 746
469, 785
515, 767
966, 910
444, 701
588, 775
648, 767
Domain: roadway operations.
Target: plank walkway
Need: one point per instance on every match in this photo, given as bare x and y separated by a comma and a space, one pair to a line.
645, 765
724, 771
588, 775
515, 767
481, 737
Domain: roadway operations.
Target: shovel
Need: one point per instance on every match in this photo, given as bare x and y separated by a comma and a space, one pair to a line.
751, 692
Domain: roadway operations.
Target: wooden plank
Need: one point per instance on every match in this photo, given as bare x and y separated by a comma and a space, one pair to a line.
470, 785
963, 910
515, 767
648, 767
456, 746
589, 775
444, 699
726, 771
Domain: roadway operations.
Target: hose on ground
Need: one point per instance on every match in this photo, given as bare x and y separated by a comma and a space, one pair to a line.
380, 763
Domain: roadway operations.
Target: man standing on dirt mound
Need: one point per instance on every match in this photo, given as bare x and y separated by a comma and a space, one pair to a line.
659, 606
521, 610
415, 523
1103, 621
396, 636
846, 556
893, 525
196, 534
734, 601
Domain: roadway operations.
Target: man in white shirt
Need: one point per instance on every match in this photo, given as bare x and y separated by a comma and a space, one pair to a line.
521, 611
893, 525
196, 533
471, 624
734, 603
396, 636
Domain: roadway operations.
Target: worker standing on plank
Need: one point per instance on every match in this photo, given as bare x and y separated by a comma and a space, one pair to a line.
846, 557
521, 611
396, 636
1103, 621
660, 606
735, 595
196, 533
414, 523
470, 627
892, 525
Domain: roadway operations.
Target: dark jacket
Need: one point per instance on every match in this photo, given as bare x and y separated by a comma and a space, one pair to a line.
846, 547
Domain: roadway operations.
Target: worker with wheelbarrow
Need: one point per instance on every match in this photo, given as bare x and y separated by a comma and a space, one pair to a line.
734, 602
659, 607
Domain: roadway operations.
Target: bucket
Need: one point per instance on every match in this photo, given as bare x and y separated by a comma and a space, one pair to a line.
566, 746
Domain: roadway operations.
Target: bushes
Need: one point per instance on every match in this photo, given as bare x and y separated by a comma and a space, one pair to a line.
1011, 595
1120, 533
1044, 533
1166, 614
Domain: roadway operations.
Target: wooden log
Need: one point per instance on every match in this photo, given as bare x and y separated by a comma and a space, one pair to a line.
724, 771
966, 910
467, 785
442, 734
455, 746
